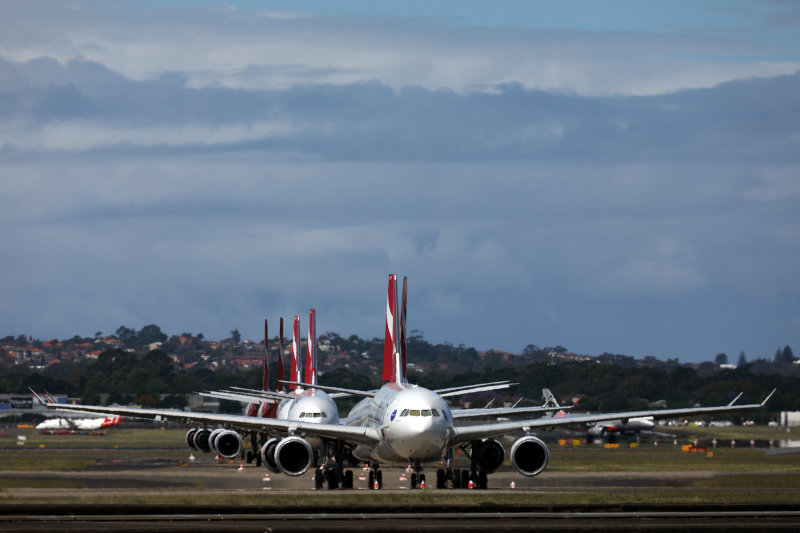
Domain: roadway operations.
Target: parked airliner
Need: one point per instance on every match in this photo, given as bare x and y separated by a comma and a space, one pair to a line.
402, 423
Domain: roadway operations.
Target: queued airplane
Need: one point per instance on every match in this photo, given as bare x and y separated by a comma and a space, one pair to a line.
404, 424
84, 424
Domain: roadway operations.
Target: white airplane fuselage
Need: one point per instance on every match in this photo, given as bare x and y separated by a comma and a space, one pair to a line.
414, 424
309, 405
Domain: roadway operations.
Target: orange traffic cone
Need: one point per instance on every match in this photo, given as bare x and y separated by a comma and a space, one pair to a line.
513, 485
403, 476
375, 485
422, 485
266, 477
470, 485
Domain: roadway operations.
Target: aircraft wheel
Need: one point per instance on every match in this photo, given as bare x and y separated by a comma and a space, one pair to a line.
348, 480
371, 480
249, 459
319, 478
483, 480
464, 479
441, 478
413, 480
379, 478
456, 479
332, 478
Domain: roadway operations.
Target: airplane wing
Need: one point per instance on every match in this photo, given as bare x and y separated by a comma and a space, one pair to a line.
480, 431
243, 398
458, 391
326, 388
360, 435
454, 391
503, 411
466, 389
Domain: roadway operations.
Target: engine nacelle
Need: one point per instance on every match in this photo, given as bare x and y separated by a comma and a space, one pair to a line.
200, 440
490, 455
529, 456
227, 443
293, 456
190, 438
268, 455
212, 438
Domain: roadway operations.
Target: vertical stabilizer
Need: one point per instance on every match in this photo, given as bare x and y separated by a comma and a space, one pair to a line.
390, 339
403, 329
311, 353
280, 358
265, 381
295, 369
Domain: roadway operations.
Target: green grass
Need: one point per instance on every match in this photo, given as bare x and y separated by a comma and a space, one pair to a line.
730, 476
670, 460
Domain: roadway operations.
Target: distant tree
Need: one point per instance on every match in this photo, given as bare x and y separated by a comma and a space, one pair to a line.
236, 336
788, 356
721, 359
742, 359
150, 334
779, 356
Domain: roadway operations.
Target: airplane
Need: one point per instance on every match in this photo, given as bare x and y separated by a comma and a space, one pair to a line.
87, 424
402, 423
298, 403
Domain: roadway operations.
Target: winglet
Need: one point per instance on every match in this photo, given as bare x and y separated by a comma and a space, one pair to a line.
768, 397
735, 399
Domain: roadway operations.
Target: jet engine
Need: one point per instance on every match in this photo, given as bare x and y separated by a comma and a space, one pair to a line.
293, 456
268, 454
489, 454
529, 456
199, 439
226, 442
190, 438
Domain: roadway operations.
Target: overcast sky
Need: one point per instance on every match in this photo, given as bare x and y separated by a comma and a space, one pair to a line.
615, 177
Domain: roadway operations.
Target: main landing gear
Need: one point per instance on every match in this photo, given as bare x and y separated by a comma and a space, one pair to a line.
332, 472
375, 479
460, 479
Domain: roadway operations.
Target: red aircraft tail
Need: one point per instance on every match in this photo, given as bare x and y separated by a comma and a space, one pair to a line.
394, 346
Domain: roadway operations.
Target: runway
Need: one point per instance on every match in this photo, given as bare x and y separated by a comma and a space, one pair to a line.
497, 518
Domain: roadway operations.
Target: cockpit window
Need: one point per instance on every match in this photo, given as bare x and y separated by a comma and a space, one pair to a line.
419, 412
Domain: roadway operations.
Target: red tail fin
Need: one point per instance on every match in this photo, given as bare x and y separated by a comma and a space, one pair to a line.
295, 370
403, 328
390, 342
265, 382
280, 358
311, 355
